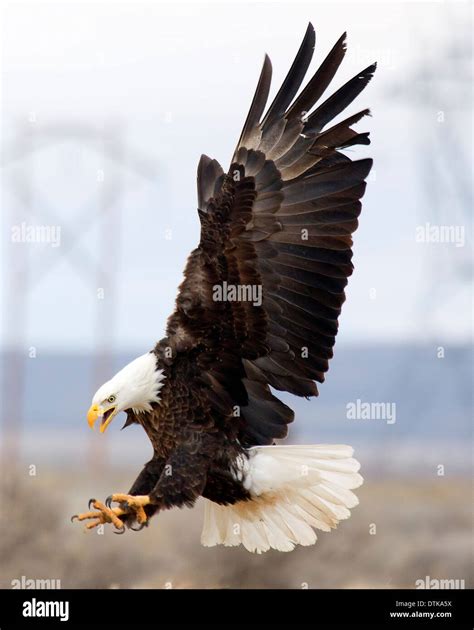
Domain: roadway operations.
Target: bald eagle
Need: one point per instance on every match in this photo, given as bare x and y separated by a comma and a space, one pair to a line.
257, 311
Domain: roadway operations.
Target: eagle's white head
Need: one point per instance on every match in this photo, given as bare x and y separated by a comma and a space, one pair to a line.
135, 387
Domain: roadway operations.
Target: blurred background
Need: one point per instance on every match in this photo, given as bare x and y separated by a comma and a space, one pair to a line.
105, 110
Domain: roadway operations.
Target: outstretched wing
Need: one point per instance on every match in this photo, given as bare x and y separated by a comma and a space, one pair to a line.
262, 293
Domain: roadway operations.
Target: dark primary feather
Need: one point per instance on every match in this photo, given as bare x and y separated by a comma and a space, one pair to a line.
280, 221
258, 104
209, 178
336, 103
320, 80
293, 80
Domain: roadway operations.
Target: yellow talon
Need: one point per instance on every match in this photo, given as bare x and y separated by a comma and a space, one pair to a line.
102, 516
129, 504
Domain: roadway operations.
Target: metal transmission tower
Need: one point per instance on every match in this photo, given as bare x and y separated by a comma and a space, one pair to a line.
20, 276
444, 149
440, 87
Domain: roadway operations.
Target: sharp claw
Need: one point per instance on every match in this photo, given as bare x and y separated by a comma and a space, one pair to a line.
120, 531
91, 501
108, 501
73, 517
139, 528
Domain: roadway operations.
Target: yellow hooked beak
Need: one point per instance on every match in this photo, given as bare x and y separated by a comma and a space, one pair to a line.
106, 416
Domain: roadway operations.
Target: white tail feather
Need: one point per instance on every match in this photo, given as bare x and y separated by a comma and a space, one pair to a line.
294, 489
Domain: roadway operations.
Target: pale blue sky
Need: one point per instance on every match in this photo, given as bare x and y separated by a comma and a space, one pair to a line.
169, 82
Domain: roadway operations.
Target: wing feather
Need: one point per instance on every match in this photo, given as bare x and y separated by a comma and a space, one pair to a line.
279, 224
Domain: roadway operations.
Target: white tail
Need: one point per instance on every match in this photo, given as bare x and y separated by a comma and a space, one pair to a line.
295, 489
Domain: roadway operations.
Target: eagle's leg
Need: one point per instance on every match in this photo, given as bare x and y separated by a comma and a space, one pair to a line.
134, 502
182, 480
157, 487
130, 509
102, 515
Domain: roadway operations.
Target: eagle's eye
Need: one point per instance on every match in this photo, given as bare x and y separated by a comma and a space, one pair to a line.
111, 399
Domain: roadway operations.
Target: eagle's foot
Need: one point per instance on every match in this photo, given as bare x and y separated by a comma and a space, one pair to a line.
103, 514
129, 503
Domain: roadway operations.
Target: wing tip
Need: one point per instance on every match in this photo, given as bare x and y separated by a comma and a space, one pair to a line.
342, 41
204, 160
310, 33
370, 70
365, 164
267, 62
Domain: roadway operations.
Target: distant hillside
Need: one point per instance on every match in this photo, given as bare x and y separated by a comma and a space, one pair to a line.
429, 399
433, 396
